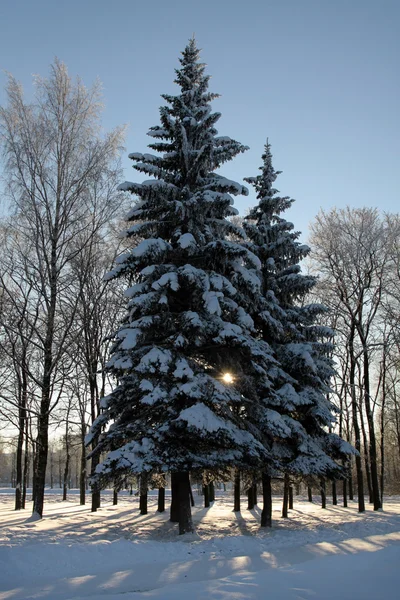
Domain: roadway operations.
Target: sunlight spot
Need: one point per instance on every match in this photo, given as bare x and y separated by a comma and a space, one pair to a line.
173, 571
227, 378
270, 559
116, 579
359, 545
323, 548
240, 562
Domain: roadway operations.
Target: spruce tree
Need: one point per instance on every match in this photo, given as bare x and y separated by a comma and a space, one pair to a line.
299, 413
188, 299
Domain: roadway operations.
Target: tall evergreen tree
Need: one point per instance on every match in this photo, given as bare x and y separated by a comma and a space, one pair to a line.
187, 322
299, 413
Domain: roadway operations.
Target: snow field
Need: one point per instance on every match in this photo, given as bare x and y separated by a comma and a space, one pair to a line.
117, 553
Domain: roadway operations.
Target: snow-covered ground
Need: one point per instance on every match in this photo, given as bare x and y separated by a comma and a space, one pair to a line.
117, 554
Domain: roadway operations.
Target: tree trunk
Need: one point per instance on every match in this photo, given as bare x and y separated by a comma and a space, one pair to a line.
18, 467
285, 497
354, 410
82, 471
334, 493
323, 493
95, 411
66, 475
185, 511
382, 448
174, 511
115, 496
236, 491
26, 466
366, 459
212, 491
96, 501
34, 460
290, 497
67, 459
350, 483
309, 492
255, 494
371, 428
266, 514
143, 487
161, 500
345, 493
191, 494
206, 493
23, 396
51, 468
250, 498
42, 446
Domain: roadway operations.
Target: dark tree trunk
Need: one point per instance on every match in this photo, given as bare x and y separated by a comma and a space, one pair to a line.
323, 493
290, 497
18, 474
161, 500
382, 424
255, 494
95, 411
206, 494
174, 511
357, 436
26, 467
115, 496
250, 498
185, 511
334, 493
366, 459
96, 501
66, 476
266, 514
236, 491
23, 396
309, 492
94, 486
371, 429
51, 469
143, 488
285, 497
350, 484
212, 491
345, 493
42, 446
34, 460
82, 471
67, 460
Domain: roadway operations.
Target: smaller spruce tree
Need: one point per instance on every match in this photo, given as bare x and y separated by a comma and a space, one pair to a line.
299, 414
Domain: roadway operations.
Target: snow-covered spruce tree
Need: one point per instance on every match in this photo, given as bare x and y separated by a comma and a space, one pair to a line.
187, 320
299, 414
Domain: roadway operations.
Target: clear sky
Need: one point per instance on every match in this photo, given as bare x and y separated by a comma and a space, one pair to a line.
319, 78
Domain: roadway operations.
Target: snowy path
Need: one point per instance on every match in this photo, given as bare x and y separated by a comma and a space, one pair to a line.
118, 555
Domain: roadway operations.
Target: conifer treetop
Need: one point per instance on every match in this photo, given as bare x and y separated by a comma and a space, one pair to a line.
272, 237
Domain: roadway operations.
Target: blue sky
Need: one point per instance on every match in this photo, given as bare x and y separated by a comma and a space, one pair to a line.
319, 78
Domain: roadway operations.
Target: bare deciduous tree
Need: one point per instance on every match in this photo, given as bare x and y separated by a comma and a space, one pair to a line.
57, 163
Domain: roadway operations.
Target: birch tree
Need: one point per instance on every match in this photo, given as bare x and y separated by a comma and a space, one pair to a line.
54, 156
